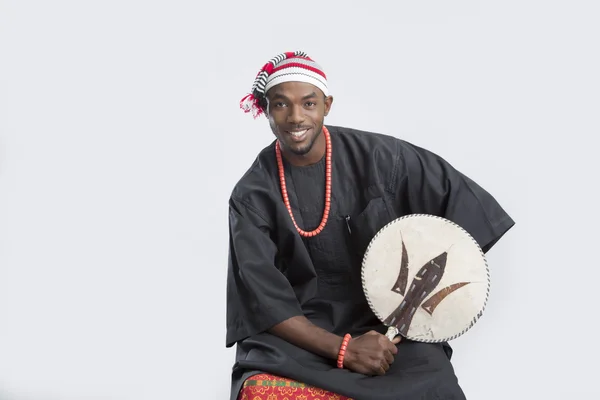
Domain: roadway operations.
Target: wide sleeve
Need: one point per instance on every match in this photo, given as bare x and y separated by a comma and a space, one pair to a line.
431, 185
259, 296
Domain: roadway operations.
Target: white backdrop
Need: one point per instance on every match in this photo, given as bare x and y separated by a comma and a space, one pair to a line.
121, 138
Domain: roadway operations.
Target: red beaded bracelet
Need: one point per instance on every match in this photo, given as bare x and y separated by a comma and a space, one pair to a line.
342, 353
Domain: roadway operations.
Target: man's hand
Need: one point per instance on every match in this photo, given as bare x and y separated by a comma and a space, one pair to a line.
371, 353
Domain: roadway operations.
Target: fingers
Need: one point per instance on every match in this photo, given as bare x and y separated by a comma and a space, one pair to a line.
391, 347
376, 353
383, 368
389, 357
392, 344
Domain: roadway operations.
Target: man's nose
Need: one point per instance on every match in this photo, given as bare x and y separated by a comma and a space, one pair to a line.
296, 116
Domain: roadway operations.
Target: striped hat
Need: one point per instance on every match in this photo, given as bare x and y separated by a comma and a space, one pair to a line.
291, 66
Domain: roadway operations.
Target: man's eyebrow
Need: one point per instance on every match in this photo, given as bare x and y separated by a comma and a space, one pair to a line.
282, 96
279, 95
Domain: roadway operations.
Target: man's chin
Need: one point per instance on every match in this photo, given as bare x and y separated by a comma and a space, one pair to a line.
302, 151
299, 150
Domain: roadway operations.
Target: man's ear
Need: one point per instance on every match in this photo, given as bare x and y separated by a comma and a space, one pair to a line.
264, 104
328, 103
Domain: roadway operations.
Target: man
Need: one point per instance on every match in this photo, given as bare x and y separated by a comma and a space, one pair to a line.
301, 218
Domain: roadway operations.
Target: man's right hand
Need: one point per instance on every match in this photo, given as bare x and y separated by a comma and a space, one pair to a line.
371, 353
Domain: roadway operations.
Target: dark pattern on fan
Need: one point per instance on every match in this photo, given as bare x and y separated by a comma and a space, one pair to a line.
400, 286
424, 282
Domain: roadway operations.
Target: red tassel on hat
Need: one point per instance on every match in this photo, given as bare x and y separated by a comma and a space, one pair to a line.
250, 104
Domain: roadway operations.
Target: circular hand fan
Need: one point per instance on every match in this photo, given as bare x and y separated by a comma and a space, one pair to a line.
425, 278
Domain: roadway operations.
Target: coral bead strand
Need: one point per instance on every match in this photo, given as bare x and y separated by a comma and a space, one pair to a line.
284, 192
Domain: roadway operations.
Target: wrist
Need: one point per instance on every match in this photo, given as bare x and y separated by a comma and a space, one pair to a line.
343, 351
334, 347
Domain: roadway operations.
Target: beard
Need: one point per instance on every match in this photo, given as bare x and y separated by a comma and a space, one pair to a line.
302, 149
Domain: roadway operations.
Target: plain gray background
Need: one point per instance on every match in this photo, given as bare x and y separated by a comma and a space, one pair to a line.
121, 139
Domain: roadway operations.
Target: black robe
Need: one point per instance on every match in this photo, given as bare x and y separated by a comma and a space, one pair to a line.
275, 274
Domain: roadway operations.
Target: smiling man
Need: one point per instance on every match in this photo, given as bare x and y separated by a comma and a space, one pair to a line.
300, 220
298, 129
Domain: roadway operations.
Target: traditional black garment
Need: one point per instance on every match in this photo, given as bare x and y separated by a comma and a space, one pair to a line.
275, 274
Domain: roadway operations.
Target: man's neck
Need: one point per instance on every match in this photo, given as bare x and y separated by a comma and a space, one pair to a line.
316, 154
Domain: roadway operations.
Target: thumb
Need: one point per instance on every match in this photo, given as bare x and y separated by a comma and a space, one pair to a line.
397, 339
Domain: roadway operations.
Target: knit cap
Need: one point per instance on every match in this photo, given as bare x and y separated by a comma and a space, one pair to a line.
290, 66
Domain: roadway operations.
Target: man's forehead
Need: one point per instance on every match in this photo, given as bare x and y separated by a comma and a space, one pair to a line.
294, 90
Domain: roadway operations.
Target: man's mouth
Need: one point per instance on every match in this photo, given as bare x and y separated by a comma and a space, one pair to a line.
298, 134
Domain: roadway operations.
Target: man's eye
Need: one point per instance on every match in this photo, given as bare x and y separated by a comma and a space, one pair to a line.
310, 104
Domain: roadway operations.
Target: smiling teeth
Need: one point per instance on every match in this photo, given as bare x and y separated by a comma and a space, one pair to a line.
298, 134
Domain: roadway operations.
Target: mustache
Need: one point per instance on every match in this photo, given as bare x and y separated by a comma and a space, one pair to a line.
297, 128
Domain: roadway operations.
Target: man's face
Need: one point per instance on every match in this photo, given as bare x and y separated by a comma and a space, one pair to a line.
296, 111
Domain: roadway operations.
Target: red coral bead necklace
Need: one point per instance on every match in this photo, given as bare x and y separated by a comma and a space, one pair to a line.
284, 193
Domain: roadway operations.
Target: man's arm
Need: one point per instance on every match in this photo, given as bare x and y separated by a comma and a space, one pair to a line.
429, 184
303, 333
261, 299
369, 354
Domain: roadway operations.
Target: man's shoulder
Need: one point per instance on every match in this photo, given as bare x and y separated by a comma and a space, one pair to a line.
383, 145
363, 137
368, 146
257, 178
